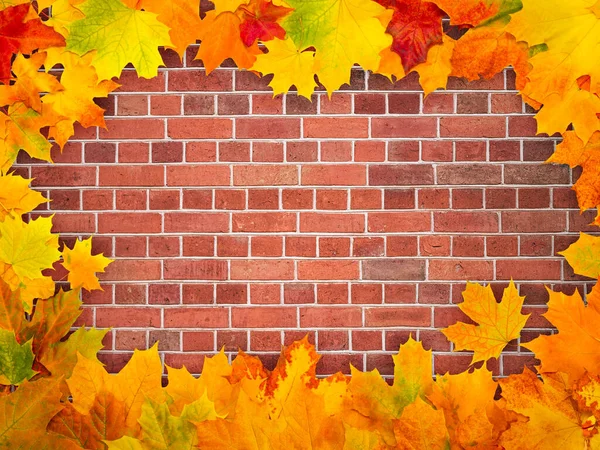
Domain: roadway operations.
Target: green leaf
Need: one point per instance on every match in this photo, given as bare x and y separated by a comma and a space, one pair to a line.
15, 360
120, 35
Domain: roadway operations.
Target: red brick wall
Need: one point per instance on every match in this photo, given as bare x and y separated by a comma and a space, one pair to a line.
240, 220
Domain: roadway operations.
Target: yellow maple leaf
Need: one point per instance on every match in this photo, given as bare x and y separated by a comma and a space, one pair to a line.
343, 32
75, 101
83, 266
570, 31
289, 65
578, 335
16, 197
584, 255
64, 13
553, 417
26, 249
181, 16
434, 72
421, 427
120, 35
498, 323
220, 35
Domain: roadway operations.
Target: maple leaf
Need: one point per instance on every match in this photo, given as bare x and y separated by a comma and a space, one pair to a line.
373, 404
25, 413
259, 21
119, 35
12, 314
472, 13
584, 255
30, 82
416, 26
181, 16
434, 72
228, 5
20, 130
553, 417
465, 398
343, 32
64, 13
103, 422
75, 101
574, 152
499, 323
21, 33
220, 35
577, 335
16, 359
290, 65
7, 3
570, 32
421, 426
82, 266
486, 50
26, 248
390, 65
16, 198
586, 392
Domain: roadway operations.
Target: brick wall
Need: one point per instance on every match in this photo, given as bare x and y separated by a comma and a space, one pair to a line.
240, 220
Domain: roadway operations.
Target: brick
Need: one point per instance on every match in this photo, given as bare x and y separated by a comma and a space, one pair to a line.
462, 174
400, 127
528, 269
165, 105
401, 246
195, 269
230, 199
536, 174
472, 103
460, 269
369, 104
470, 150
481, 126
265, 294
404, 175
332, 199
197, 199
334, 247
131, 270
300, 246
328, 270
297, 198
194, 341
365, 199
197, 80
263, 222
534, 221
438, 103
267, 152
204, 317
467, 222
100, 152
265, 175
298, 293
130, 82
330, 317
128, 317
133, 129
399, 199
63, 176
164, 294
123, 175
393, 269
164, 246
231, 105
198, 175
262, 270
132, 105
365, 151
336, 151
339, 103
301, 151
199, 104
263, 317
434, 245
234, 151
332, 222
129, 223
404, 103
398, 316
467, 198
255, 128
184, 222
391, 222
266, 246
332, 293
403, 151
232, 246
296, 104
366, 293
334, 175
199, 128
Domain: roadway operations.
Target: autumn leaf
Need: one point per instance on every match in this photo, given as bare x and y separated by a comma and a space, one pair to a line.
553, 417
570, 32
578, 335
434, 72
16, 359
26, 249
182, 17
119, 35
64, 13
12, 313
574, 152
464, 399
416, 26
220, 34
228, 5
421, 427
20, 33
260, 21
16, 197
25, 413
83, 266
343, 32
471, 13
290, 65
584, 255
499, 323
75, 101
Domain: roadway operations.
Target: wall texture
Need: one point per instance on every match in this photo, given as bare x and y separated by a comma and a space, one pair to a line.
246, 221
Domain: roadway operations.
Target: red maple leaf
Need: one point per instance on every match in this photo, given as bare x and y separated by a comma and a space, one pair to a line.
259, 21
416, 25
17, 34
